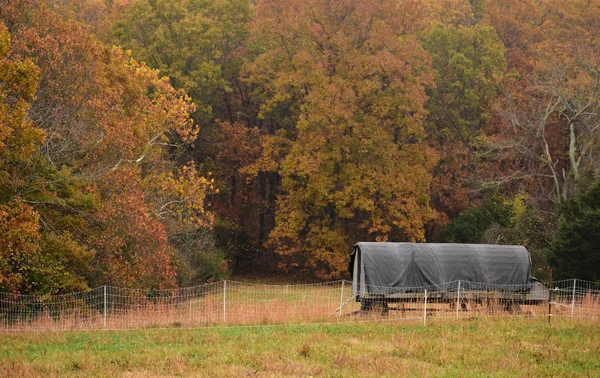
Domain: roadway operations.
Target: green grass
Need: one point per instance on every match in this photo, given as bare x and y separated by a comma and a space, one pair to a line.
475, 348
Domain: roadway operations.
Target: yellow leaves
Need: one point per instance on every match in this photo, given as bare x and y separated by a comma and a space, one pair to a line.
354, 150
180, 199
518, 207
18, 83
4, 41
19, 138
449, 12
165, 108
19, 232
274, 147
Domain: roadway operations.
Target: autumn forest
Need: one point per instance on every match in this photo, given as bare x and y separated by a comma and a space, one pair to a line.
165, 143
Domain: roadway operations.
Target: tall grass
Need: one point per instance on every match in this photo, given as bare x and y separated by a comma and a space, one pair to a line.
251, 304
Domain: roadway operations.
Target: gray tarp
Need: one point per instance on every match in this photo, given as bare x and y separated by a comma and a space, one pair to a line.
402, 265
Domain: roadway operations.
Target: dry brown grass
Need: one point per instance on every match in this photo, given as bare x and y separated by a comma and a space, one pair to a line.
244, 304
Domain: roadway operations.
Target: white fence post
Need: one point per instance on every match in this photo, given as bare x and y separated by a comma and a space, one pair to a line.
105, 303
458, 299
225, 301
573, 297
425, 310
341, 299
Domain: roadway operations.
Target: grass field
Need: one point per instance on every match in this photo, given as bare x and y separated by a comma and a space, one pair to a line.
477, 348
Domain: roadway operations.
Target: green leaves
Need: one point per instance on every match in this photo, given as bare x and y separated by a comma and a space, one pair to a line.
575, 248
195, 43
468, 63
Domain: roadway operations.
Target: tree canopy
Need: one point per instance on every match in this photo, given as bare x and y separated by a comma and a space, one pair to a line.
155, 143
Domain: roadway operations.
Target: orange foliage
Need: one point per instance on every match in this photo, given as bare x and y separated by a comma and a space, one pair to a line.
354, 165
231, 147
131, 244
98, 106
112, 124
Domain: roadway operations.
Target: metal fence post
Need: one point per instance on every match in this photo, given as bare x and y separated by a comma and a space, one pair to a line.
341, 299
573, 298
225, 301
458, 299
105, 303
550, 293
425, 310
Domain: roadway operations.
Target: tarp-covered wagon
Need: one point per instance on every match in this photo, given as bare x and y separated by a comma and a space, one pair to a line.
384, 273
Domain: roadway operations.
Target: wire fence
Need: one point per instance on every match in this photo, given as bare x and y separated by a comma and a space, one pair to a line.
238, 303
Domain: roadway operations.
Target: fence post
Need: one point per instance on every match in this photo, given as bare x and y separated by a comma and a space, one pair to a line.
573, 298
341, 299
425, 310
105, 303
191, 317
225, 301
458, 299
550, 292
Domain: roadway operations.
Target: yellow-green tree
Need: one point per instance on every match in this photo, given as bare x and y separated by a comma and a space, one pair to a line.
469, 65
196, 43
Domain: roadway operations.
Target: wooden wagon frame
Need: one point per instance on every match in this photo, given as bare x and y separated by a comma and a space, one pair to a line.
391, 276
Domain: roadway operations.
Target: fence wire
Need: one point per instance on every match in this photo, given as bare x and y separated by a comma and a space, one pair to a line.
239, 303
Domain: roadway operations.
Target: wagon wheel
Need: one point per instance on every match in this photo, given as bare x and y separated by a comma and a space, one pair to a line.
385, 310
463, 304
512, 307
368, 305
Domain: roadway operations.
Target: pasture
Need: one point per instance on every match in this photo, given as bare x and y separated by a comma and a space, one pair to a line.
503, 347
